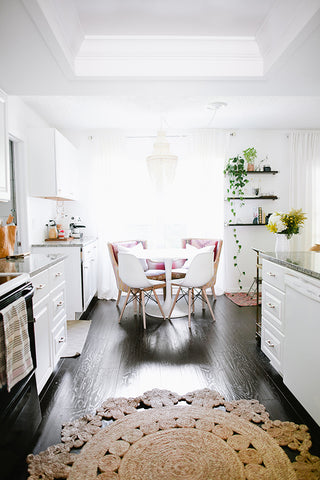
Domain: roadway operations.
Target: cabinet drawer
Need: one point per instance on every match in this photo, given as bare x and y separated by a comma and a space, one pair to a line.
59, 339
273, 305
41, 286
58, 301
272, 344
273, 274
56, 275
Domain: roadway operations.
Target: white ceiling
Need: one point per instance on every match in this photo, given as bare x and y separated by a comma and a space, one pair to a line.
176, 112
123, 63
172, 17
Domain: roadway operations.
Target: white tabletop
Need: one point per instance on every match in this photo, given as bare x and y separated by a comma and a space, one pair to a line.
166, 255
162, 253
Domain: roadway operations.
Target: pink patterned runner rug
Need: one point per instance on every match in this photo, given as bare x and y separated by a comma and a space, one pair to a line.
242, 299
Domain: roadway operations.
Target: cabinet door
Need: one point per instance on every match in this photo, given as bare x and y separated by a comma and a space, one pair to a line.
86, 282
51, 160
42, 339
93, 271
65, 167
89, 266
4, 151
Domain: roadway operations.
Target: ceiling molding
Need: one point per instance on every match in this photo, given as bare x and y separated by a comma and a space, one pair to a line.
168, 56
201, 57
60, 29
285, 21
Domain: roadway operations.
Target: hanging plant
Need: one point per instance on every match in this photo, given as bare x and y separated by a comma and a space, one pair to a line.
237, 174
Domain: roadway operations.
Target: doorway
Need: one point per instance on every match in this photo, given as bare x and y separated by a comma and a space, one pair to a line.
17, 204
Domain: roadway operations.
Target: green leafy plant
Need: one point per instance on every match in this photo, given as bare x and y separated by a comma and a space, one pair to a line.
237, 175
250, 154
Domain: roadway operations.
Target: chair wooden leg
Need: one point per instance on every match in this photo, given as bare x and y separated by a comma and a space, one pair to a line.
203, 301
174, 302
140, 303
143, 310
192, 300
135, 305
124, 306
189, 306
119, 296
213, 292
164, 292
208, 303
158, 302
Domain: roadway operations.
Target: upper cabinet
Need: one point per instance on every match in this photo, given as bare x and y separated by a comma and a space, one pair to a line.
52, 165
4, 151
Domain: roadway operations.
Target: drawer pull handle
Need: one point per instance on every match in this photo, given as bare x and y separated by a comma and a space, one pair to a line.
270, 305
41, 286
60, 304
58, 274
269, 343
61, 340
271, 274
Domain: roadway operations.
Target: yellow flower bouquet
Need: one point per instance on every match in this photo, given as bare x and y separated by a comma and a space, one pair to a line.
286, 223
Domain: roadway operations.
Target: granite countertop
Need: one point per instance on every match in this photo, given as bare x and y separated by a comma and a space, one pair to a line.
32, 264
303, 262
76, 242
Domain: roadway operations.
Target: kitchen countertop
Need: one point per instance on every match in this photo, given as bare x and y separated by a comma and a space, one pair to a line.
76, 242
303, 262
32, 264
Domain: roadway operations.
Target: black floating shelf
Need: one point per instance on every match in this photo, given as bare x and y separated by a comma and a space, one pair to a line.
272, 172
246, 224
261, 197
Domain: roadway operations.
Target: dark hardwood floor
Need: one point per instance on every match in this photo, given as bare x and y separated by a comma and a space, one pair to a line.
124, 360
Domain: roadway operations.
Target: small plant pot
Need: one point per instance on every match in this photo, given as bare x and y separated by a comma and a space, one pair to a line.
250, 167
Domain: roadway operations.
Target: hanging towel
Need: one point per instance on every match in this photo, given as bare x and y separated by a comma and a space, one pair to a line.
15, 355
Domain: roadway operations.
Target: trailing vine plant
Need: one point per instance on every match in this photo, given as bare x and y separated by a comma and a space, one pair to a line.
237, 174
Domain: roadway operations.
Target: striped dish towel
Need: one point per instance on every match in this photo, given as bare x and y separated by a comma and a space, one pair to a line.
15, 355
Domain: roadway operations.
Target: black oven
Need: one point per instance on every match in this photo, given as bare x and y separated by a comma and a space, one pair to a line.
20, 413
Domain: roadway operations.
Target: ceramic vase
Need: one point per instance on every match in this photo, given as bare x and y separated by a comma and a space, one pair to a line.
283, 244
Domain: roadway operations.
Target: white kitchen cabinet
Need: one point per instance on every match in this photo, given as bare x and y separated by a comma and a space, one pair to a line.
4, 151
52, 165
89, 262
80, 273
49, 305
43, 344
272, 320
301, 345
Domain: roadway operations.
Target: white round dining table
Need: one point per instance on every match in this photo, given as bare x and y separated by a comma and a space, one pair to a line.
166, 255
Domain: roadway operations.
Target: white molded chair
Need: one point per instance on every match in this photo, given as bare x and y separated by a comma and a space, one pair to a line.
198, 277
132, 274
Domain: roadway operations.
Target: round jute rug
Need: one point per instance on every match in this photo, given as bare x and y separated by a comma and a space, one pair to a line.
182, 442
161, 435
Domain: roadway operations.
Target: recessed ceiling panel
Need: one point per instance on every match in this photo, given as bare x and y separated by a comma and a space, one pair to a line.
172, 17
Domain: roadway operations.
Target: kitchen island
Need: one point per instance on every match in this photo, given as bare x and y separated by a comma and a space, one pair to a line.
291, 322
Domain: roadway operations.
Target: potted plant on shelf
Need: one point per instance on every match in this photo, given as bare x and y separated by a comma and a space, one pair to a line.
237, 176
250, 154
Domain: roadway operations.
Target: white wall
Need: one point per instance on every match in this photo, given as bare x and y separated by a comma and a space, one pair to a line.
34, 212
271, 143
275, 145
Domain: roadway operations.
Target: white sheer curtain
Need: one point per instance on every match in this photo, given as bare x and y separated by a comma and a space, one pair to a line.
129, 207
304, 185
